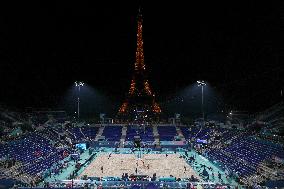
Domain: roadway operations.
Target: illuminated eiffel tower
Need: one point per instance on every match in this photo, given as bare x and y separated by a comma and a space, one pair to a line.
140, 104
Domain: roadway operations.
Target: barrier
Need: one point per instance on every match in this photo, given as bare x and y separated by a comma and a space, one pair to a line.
132, 184
95, 144
173, 144
167, 179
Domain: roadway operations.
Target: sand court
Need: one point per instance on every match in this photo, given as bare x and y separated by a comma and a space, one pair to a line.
117, 164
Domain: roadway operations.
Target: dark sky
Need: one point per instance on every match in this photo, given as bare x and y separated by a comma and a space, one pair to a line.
236, 47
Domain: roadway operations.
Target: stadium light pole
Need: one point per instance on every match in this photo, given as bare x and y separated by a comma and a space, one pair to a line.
78, 85
202, 84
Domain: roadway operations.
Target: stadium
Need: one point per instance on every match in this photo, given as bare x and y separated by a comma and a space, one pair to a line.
62, 154
191, 139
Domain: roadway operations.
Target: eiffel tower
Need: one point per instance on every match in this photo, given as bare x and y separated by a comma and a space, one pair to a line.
140, 105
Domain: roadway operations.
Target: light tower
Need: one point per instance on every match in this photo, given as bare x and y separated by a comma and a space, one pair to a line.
78, 85
202, 84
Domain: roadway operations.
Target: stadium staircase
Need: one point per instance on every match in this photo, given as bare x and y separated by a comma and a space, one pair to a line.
180, 134
82, 132
70, 134
100, 132
156, 135
123, 136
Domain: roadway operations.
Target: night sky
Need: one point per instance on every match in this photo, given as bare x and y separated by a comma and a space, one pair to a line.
236, 47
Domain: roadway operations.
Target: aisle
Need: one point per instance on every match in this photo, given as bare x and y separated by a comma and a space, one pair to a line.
204, 161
